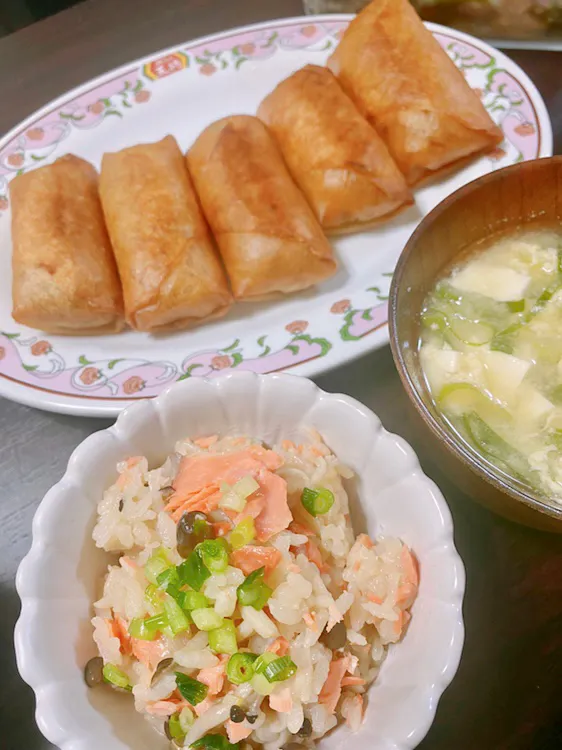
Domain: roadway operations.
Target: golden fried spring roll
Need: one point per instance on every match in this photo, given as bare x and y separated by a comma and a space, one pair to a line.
268, 236
337, 159
410, 90
171, 274
64, 275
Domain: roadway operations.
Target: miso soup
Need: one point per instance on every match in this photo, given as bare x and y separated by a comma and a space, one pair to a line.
491, 351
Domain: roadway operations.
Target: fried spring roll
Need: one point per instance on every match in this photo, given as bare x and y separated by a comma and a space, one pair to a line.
171, 274
64, 275
337, 159
268, 236
410, 90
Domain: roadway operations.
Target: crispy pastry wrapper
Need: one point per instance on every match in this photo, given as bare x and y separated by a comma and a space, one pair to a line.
410, 91
64, 274
268, 236
171, 274
337, 159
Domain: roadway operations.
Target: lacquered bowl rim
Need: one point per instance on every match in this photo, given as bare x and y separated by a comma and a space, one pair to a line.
444, 435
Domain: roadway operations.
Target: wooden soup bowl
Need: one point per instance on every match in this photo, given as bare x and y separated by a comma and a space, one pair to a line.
523, 196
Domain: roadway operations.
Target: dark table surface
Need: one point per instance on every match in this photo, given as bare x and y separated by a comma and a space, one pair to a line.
507, 693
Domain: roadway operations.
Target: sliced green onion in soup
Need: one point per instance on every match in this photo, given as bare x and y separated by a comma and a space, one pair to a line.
470, 332
116, 676
317, 502
240, 668
434, 319
516, 306
222, 640
493, 447
191, 689
243, 533
459, 398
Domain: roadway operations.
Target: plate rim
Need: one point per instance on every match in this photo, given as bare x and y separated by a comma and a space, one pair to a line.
376, 338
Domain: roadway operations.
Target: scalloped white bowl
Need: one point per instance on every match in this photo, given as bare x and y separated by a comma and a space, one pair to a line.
61, 575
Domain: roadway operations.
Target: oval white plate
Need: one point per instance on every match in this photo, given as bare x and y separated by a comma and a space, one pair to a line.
61, 575
180, 91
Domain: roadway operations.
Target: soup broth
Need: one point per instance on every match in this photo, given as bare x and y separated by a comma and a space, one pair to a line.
491, 352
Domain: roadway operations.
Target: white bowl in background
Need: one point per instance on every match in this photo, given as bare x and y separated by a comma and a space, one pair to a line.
61, 575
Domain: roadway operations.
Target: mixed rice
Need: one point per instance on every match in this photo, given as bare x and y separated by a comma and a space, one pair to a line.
242, 608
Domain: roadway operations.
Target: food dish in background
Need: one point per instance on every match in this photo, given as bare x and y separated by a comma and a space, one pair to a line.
534, 20
345, 317
490, 350
389, 496
243, 605
505, 20
502, 467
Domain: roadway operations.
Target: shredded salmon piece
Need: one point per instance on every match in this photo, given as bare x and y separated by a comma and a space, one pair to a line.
315, 556
300, 528
275, 516
123, 478
331, 689
197, 487
250, 558
206, 442
149, 653
213, 677
237, 731
288, 445
271, 460
281, 701
254, 507
280, 646
205, 500
119, 629
350, 680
